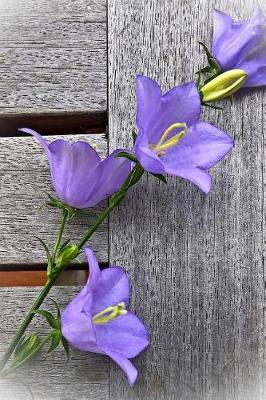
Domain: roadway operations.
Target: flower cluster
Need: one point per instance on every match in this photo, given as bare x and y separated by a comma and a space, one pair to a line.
171, 140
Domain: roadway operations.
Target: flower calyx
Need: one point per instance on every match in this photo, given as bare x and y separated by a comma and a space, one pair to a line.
54, 202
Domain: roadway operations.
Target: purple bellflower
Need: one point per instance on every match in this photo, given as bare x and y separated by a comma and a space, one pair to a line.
79, 177
171, 138
241, 45
97, 319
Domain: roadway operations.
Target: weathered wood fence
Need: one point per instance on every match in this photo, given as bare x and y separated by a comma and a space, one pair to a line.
195, 261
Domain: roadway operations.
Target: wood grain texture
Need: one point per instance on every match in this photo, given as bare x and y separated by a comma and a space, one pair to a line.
196, 261
52, 55
25, 179
85, 376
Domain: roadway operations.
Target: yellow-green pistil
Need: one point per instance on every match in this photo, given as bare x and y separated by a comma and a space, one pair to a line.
165, 143
223, 85
110, 313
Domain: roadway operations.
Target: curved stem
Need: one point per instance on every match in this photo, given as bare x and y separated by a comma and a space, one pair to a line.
133, 178
60, 234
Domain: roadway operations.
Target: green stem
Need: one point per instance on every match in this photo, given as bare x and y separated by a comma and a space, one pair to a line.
60, 234
46, 289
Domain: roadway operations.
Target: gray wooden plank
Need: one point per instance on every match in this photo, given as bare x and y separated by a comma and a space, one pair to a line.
85, 376
52, 56
25, 179
195, 261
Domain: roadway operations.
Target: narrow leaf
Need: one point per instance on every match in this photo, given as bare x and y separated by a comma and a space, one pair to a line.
32, 345
25, 348
64, 245
212, 61
129, 156
65, 346
161, 177
49, 317
134, 136
55, 340
137, 175
212, 106
48, 255
57, 308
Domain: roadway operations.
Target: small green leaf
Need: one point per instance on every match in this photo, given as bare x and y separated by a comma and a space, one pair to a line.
64, 245
139, 171
25, 348
212, 106
54, 202
134, 136
129, 156
65, 346
57, 308
161, 177
88, 212
212, 61
71, 212
48, 255
54, 323
55, 340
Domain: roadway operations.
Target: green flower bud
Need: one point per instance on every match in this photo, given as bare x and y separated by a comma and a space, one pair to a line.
65, 256
223, 85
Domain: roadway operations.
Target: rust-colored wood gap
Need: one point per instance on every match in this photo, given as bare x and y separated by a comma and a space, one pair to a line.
58, 123
38, 278
35, 275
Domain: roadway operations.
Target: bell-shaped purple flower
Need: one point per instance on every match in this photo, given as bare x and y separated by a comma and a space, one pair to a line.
97, 319
171, 138
80, 178
241, 45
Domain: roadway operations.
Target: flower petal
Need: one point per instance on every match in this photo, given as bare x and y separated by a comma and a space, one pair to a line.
72, 169
124, 364
37, 136
180, 104
109, 177
255, 67
112, 288
241, 44
147, 157
94, 269
148, 94
72, 166
78, 329
199, 150
107, 287
125, 334
222, 23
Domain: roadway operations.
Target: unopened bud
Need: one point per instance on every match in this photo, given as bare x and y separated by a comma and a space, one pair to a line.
223, 85
68, 254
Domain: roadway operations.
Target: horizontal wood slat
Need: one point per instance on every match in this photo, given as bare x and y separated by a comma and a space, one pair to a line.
85, 376
25, 178
52, 55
